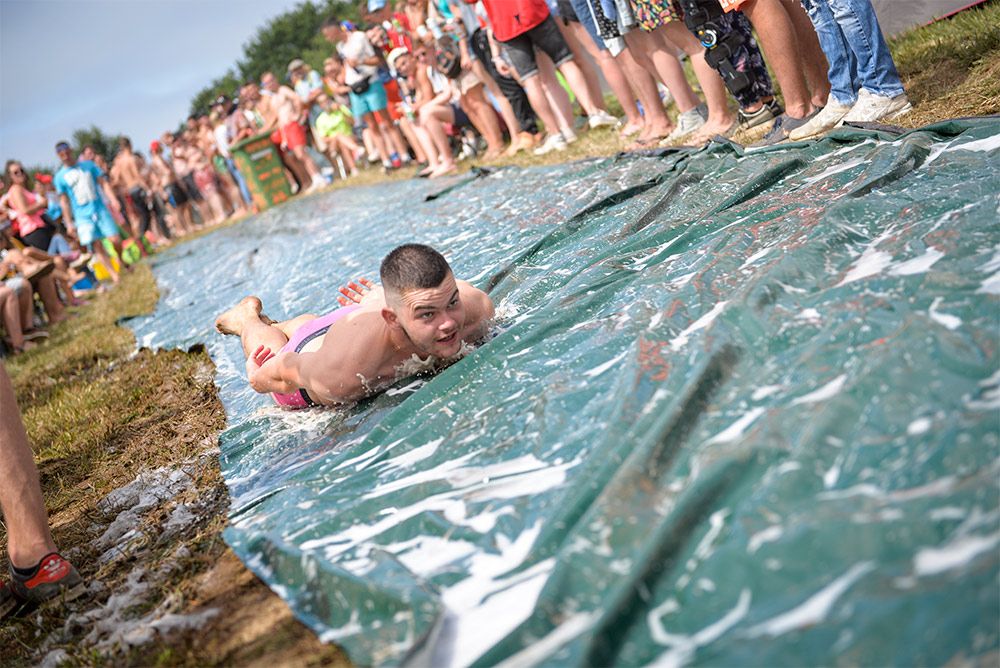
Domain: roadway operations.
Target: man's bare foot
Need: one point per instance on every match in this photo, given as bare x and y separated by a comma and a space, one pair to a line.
231, 322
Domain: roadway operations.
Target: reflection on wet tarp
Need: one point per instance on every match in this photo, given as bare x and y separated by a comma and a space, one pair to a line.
740, 408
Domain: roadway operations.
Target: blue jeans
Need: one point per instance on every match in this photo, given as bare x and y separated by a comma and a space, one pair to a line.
240, 181
857, 52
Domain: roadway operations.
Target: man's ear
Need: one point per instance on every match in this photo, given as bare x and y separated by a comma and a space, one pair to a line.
390, 317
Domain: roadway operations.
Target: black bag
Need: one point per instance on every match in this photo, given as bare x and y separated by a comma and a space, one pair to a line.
448, 59
360, 86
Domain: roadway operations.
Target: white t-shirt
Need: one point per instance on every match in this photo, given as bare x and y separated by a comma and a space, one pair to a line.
357, 47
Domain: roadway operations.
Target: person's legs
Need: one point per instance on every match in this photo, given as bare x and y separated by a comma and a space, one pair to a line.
656, 123
613, 74
10, 309
814, 64
28, 535
511, 90
245, 321
46, 289
777, 38
377, 138
590, 80
484, 118
506, 110
720, 119
406, 127
556, 96
432, 118
876, 69
662, 64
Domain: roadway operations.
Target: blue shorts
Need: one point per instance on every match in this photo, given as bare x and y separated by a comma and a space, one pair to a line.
98, 225
370, 101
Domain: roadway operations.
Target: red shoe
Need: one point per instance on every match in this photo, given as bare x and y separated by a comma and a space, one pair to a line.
52, 579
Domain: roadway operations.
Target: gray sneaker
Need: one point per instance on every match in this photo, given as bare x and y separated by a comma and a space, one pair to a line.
688, 122
783, 126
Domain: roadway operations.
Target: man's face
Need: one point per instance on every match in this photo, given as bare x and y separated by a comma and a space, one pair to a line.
432, 318
377, 36
333, 33
269, 82
324, 102
404, 64
66, 156
88, 154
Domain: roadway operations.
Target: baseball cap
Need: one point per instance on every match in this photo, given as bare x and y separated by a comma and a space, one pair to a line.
62, 146
154, 145
43, 177
296, 64
395, 54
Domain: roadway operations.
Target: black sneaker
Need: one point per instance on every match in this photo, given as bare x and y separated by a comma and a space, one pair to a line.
783, 126
751, 119
52, 579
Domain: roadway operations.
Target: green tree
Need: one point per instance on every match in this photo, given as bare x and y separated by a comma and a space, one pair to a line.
104, 144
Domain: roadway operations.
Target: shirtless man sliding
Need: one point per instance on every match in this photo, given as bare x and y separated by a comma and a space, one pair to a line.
419, 320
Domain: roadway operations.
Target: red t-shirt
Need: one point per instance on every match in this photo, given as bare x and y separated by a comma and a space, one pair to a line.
511, 18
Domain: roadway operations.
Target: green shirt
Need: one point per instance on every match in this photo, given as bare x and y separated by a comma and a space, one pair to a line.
336, 121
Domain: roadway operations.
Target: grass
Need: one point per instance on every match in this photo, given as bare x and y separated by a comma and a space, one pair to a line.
98, 412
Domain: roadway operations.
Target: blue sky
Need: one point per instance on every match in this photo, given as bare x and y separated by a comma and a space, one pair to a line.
126, 66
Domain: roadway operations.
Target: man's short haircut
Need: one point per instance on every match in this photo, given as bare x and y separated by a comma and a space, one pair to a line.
125, 142
413, 267
331, 21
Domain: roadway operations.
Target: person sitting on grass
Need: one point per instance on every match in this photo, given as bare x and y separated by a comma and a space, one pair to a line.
420, 320
334, 124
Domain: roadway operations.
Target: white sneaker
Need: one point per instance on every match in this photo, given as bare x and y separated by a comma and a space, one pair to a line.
554, 142
569, 136
825, 120
317, 184
601, 119
871, 107
687, 123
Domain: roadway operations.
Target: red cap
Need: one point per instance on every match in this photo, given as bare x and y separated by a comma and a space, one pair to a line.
154, 145
44, 178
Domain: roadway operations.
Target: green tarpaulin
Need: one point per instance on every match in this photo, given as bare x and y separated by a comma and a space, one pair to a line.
739, 408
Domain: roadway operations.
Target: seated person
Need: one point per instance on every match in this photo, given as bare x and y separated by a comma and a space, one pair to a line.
418, 321
40, 275
334, 124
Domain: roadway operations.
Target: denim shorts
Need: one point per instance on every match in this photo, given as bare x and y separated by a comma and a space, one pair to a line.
372, 100
546, 38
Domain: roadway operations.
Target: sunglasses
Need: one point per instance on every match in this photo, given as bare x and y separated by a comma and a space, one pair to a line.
17, 172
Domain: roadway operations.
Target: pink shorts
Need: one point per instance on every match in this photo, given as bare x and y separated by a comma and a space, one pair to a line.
300, 339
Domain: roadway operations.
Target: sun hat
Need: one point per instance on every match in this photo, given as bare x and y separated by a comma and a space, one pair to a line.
395, 54
295, 64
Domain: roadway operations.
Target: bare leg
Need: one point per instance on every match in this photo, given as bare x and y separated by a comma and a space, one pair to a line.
613, 73
11, 310
506, 111
555, 94
593, 84
656, 124
814, 62
663, 64
776, 33
28, 535
245, 321
46, 287
719, 117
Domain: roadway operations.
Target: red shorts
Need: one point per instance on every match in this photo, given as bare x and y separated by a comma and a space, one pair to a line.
393, 97
294, 135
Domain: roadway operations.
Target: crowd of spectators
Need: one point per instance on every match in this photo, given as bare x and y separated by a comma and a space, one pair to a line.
432, 82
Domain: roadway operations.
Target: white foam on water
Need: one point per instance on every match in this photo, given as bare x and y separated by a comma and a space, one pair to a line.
944, 319
408, 459
919, 426
756, 256
541, 650
426, 555
701, 323
765, 391
836, 169
611, 363
957, 553
828, 391
809, 315
736, 429
815, 609
683, 647
871, 262
917, 265
764, 536
948, 513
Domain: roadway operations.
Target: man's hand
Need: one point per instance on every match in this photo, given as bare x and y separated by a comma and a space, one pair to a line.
353, 292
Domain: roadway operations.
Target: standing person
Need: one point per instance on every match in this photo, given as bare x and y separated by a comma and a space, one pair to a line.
522, 26
228, 123
175, 194
37, 572
183, 166
864, 83
78, 183
368, 98
290, 114
128, 170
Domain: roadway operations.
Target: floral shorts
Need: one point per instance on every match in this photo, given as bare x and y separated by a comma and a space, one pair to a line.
651, 14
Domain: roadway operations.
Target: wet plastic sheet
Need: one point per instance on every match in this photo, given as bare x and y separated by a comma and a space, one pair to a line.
740, 409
